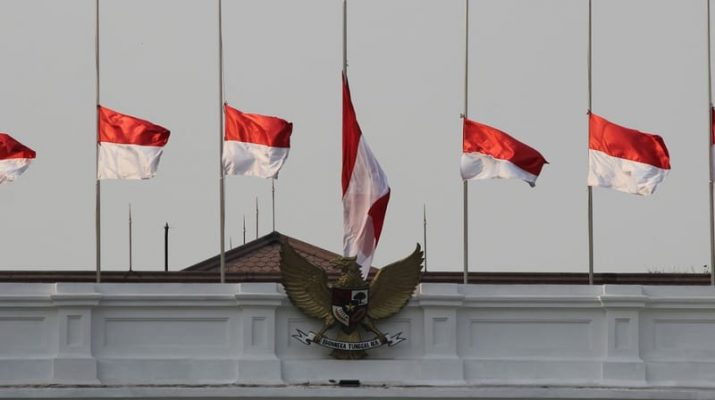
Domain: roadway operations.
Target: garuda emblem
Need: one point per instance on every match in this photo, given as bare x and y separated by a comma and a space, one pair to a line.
350, 301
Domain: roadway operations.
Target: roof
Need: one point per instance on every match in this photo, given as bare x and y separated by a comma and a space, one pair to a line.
262, 257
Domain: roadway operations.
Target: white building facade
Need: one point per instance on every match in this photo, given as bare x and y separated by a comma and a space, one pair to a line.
85, 340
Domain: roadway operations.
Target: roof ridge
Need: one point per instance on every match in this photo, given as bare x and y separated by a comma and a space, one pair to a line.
238, 252
266, 242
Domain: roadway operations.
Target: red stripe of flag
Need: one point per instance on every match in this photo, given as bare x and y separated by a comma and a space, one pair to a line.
377, 214
484, 139
115, 127
11, 148
351, 135
629, 144
258, 129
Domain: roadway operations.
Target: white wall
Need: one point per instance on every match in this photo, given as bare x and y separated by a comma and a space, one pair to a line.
573, 338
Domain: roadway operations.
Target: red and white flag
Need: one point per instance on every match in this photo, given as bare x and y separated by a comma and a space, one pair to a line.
15, 158
129, 147
625, 159
365, 190
254, 144
488, 153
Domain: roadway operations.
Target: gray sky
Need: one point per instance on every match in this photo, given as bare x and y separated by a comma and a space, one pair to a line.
159, 60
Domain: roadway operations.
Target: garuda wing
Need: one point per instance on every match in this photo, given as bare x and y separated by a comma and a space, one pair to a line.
305, 283
393, 286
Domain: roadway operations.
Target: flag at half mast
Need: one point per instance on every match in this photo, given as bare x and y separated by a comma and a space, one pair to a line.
365, 190
128, 147
488, 153
254, 144
625, 159
15, 158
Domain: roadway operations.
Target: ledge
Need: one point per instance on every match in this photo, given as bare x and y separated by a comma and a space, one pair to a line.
335, 392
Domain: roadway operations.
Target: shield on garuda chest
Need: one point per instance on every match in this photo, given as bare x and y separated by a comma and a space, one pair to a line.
349, 306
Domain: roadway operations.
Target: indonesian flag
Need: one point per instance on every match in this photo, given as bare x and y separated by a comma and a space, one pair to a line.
488, 153
15, 158
365, 190
625, 159
129, 147
254, 144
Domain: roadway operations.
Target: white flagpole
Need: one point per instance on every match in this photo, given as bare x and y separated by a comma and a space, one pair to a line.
97, 214
166, 247
424, 232
273, 201
590, 189
222, 193
130, 237
345, 37
465, 184
710, 153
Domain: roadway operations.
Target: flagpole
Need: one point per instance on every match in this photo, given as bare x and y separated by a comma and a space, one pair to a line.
97, 199
256, 217
465, 184
222, 193
130, 237
345, 37
244, 229
710, 153
273, 201
166, 247
590, 189
424, 232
